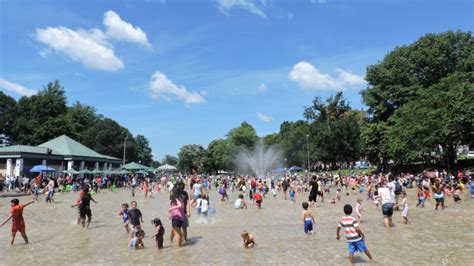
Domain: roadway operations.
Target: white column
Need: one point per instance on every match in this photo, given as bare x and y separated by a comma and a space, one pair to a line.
9, 167
44, 162
70, 164
18, 167
96, 165
82, 165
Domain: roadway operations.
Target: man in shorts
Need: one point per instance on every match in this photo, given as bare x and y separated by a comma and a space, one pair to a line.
313, 192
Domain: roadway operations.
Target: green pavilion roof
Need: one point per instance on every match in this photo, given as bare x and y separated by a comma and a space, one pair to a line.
24, 148
134, 166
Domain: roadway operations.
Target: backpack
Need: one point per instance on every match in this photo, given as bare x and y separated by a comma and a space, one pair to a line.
398, 188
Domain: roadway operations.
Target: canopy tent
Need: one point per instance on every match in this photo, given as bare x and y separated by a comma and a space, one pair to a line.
97, 171
166, 167
150, 169
86, 171
124, 172
295, 168
142, 172
41, 168
280, 170
133, 166
71, 171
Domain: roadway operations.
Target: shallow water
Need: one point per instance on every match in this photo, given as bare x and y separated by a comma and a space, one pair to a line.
432, 238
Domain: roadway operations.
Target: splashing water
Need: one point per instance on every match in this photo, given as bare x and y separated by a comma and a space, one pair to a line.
260, 160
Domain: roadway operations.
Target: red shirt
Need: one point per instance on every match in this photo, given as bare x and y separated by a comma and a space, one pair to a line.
17, 215
257, 196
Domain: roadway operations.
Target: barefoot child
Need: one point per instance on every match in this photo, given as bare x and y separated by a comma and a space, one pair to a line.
126, 219
359, 210
258, 199
421, 196
307, 219
249, 242
135, 217
18, 223
355, 237
404, 208
84, 208
159, 232
137, 242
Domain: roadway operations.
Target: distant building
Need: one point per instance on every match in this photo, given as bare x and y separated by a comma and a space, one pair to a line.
61, 153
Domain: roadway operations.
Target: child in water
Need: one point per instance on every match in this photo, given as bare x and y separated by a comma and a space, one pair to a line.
240, 202
292, 194
159, 232
355, 237
404, 208
421, 196
338, 194
359, 210
137, 242
126, 220
18, 223
135, 216
307, 218
249, 242
258, 199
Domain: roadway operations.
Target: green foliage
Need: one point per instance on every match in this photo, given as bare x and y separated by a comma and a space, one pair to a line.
243, 136
219, 156
293, 142
80, 118
420, 99
191, 158
143, 150
7, 116
170, 159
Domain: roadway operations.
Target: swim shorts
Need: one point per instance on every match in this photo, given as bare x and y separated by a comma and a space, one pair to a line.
312, 197
177, 223
387, 209
357, 246
308, 225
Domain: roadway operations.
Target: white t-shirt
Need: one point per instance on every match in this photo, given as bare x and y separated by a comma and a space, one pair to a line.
385, 195
204, 205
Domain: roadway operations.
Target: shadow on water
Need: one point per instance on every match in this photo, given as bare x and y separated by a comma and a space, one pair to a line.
193, 240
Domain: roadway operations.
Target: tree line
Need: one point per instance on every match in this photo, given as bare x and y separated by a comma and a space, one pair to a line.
41, 117
420, 100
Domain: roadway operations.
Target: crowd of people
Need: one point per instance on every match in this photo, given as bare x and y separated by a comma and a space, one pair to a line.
190, 194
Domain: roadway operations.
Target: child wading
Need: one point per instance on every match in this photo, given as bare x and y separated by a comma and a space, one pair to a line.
307, 218
18, 223
84, 208
159, 232
355, 237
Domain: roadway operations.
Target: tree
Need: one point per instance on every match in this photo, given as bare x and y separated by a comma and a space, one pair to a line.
334, 130
41, 116
403, 90
79, 119
107, 137
293, 142
219, 156
170, 159
7, 117
142, 147
243, 136
191, 158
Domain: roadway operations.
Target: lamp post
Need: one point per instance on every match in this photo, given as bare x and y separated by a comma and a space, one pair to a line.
124, 145
307, 144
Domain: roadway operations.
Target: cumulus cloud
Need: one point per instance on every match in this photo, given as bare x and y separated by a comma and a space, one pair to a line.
118, 29
262, 87
263, 117
5, 84
87, 47
163, 88
310, 78
226, 5
92, 47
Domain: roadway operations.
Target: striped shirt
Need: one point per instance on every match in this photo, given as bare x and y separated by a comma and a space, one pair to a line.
349, 224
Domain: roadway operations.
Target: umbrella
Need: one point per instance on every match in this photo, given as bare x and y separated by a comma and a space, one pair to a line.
41, 168
71, 171
86, 171
166, 167
97, 171
142, 172
123, 172
134, 166
150, 169
295, 168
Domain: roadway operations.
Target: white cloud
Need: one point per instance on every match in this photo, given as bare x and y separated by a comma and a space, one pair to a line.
88, 47
92, 47
163, 88
16, 88
262, 87
118, 29
263, 117
309, 77
226, 5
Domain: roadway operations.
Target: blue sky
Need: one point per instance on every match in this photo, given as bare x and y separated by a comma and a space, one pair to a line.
183, 72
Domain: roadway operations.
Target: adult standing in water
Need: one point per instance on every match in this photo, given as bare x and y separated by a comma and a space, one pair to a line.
313, 192
438, 191
184, 199
388, 201
177, 215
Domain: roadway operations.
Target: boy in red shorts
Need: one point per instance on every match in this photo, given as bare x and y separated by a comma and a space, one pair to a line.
18, 223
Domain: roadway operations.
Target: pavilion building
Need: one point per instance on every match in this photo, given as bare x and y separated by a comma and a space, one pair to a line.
61, 153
